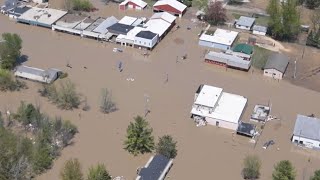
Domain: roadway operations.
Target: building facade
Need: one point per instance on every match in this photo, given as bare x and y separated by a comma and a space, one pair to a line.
273, 73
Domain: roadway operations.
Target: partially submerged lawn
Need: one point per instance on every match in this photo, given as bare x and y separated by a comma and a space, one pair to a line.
260, 57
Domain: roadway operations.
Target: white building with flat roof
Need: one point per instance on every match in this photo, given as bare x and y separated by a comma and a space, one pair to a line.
306, 132
218, 108
44, 17
221, 39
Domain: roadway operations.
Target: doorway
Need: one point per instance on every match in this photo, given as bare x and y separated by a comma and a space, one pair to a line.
217, 123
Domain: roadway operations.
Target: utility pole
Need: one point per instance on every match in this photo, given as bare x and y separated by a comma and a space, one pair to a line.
146, 105
295, 69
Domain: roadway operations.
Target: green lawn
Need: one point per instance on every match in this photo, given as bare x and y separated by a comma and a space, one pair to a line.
260, 57
262, 20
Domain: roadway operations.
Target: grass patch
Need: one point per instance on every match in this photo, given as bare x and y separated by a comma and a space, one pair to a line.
262, 20
210, 32
260, 57
236, 15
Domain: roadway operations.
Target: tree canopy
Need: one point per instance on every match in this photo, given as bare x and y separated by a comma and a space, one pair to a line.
8, 82
316, 175
71, 170
284, 170
107, 105
167, 147
99, 172
64, 95
251, 169
216, 14
10, 47
139, 139
284, 20
22, 158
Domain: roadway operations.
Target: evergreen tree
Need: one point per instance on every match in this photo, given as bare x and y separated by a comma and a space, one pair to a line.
71, 170
284, 171
316, 175
139, 138
98, 173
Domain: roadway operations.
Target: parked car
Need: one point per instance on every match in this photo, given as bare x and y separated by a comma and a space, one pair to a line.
267, 144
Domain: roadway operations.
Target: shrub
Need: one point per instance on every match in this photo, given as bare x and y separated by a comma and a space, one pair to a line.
167, 147
251, 168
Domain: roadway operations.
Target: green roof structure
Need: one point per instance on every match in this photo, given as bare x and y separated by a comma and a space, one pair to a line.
243, 48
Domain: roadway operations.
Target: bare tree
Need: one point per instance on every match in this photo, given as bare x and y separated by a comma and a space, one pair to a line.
107, 105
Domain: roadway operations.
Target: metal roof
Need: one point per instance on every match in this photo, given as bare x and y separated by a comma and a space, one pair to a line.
140, 3
260, 28
155, 169
277, 61
228, 59
165, 16
173, 3
307, 127
245, 21
102, 28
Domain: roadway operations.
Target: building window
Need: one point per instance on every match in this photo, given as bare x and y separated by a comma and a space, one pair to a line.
296, 141
300, 142
144, 43
139, 42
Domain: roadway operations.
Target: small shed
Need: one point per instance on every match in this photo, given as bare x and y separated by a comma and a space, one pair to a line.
245, 23
306, 131
259, 30
276, 66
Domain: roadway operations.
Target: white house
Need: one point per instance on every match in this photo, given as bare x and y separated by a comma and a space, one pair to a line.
276, 66
146, 39
35, 74
306, 131
245, 23
259, 30
221, 39
218, 108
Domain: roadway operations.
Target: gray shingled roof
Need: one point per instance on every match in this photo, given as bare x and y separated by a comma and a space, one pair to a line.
146, 34
277, 61
307, 127
259, 28
155, 168
245, 21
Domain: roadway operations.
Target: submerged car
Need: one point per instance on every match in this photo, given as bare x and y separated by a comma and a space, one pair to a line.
267, 144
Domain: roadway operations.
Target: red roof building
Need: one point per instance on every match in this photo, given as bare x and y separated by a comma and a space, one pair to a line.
133, 4
171, 6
